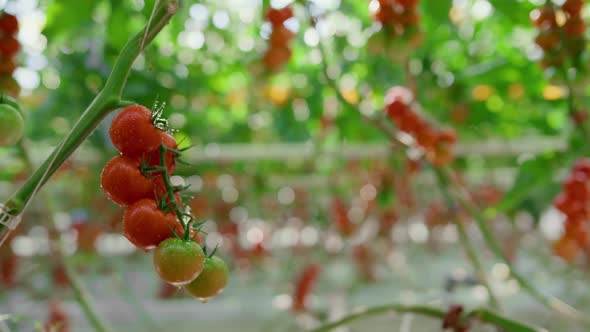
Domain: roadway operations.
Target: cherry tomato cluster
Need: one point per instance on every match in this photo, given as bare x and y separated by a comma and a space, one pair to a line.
9, 47
560, 39
398, 16
438, 144
400, 20
155, 217
574, 203
279, 52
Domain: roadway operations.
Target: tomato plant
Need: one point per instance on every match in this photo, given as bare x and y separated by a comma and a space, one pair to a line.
397, 143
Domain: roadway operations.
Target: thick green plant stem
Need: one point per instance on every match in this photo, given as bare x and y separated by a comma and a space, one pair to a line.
80, 292
492, 243
467, 245
483, 315
105, 101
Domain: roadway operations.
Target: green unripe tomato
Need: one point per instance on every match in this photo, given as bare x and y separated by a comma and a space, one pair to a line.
211, 281
12, 125
178, 262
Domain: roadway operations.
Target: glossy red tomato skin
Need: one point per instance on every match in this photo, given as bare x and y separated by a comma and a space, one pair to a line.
8, 24
178, 262
212, 280
154, 157
7, 65
575, 27
146, 226
123, 183
133, 133
9, 46
573, 7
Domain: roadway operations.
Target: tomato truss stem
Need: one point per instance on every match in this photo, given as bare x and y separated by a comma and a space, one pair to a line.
107, 100
186, 219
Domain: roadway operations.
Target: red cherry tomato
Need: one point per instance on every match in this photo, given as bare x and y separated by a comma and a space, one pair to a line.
7, 65
133, 133
8, 24
123, 183
145, 225
178, 262
575, 27
573, 7
9, 46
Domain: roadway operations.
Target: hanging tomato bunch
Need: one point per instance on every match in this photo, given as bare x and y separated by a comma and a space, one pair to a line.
279, 51
9, 47
437, 143
155, 217
574, 203
561, 33
400, 20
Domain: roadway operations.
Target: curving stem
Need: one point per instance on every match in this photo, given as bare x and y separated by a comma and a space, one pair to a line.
482, 315
107, 100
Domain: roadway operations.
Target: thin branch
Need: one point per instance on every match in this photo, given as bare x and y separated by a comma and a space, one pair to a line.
550, 302
483, 315
106, 101
466, 242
